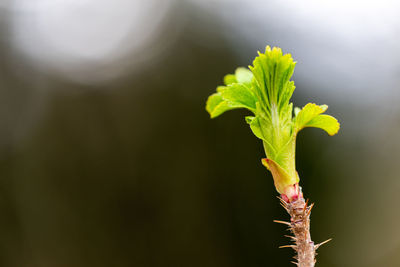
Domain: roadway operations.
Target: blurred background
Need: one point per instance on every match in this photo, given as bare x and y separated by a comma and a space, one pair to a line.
108, 158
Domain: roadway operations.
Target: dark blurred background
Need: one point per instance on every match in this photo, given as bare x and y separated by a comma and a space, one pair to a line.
108, 158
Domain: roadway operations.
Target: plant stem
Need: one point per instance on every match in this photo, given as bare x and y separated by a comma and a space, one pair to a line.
299, 226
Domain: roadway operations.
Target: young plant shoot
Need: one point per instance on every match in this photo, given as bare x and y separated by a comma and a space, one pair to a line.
265, 89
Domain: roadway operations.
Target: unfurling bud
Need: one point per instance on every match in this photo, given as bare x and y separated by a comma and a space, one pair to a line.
292, 193
286, 185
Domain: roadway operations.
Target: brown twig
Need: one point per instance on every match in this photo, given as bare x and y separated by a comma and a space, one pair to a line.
299, 225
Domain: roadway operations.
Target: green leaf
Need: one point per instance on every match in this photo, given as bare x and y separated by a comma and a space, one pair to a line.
216, 105
239, 95
229, 79
255, 126
230, 97
306, 114
310, 116
243, 75
326, 123
272, 72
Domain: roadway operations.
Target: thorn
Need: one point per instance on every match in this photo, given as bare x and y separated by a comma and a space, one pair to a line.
282, 222
305, 207
288, 246
322, 243
285, 207
282, 200
309, 209
291, 237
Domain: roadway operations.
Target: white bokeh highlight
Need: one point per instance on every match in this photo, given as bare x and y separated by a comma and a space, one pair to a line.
85, 40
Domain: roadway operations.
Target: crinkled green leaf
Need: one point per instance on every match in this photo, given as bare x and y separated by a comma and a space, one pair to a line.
255, 126
230, 97
310, 116
306, 114
272, 72
216, 105
234, 95
239, 95
326, 123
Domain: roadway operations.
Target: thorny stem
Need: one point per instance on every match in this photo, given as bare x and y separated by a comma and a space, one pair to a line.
299, 226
